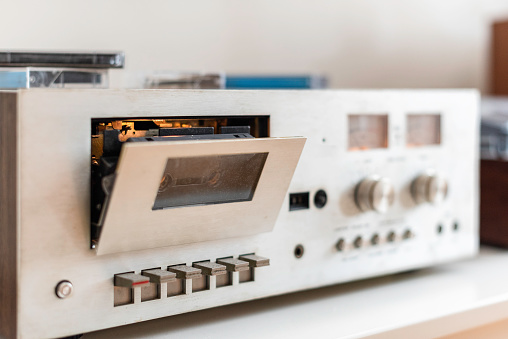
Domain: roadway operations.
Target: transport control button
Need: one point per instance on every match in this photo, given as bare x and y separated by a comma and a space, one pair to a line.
234, 265
131, 280
159, 276
255, 260
185, 272
210, 268
374, 193
429, 187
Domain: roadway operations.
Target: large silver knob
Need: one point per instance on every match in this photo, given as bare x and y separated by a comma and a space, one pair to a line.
374, 193
429, 187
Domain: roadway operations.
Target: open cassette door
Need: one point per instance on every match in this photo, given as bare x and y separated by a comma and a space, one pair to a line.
169, 193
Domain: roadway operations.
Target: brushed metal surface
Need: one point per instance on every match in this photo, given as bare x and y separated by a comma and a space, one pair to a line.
131, 224
53, 192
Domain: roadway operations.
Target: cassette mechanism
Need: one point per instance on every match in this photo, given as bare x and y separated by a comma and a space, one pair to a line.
202, 169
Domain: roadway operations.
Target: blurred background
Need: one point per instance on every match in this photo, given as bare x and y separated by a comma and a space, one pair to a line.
360, 44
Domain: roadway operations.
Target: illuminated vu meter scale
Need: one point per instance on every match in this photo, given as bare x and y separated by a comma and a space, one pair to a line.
370, 131
423, 130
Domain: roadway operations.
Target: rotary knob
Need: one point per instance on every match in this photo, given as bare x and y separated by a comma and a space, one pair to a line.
374, 193
429, 187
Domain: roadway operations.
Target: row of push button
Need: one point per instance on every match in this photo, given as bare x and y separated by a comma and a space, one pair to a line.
153, 284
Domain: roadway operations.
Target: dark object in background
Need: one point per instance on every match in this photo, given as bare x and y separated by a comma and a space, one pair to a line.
31, 69
494, 202
171, 80
494, 172
179, 80
275, 82
61, 59
499, 58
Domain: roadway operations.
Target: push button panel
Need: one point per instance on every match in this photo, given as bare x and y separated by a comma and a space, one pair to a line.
179, 280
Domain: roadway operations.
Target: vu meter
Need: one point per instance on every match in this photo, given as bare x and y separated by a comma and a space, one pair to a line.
423, 130
368, 132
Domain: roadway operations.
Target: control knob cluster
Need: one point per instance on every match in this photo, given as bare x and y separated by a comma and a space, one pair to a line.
429, 187
375, 193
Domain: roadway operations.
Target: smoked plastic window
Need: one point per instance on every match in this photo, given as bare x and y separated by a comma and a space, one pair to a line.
423, 130
205, 180
368, 131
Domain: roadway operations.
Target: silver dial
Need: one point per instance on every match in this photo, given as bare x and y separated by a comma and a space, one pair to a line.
374, 193
429, 187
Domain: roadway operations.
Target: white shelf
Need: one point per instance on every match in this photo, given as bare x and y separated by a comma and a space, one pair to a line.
422, 304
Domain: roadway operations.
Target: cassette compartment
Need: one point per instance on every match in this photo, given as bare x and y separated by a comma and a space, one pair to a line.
161, 182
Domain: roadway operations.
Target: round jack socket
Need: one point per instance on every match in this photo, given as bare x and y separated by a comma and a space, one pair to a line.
320, 199
340, 245
298, 251
391, 236
357, 243
374, 240
439, 229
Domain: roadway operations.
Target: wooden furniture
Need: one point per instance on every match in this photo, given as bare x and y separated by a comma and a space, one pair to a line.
499, 70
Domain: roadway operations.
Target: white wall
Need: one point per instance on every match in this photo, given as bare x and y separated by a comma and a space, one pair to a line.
357, 43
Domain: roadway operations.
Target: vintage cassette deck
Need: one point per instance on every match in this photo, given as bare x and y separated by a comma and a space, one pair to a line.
119, 206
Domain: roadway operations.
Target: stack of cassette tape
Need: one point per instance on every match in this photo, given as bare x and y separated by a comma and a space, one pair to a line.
220, 80
57, 70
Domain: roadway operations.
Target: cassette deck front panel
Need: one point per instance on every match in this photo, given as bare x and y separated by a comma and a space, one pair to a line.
386, 182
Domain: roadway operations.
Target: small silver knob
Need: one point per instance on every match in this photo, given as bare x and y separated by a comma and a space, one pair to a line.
375, 193
429, 187
63, 289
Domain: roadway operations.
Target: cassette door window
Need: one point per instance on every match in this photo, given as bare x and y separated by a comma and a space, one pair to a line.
176, 192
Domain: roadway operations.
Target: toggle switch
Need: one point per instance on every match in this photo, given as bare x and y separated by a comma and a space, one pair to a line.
234, 265
159, 282
128, 288
255, 260
239, 270
158, 276
187, 274
210, 268
131, 280
215, 276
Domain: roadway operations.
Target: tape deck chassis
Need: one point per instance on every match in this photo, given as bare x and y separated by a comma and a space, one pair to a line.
120, 206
